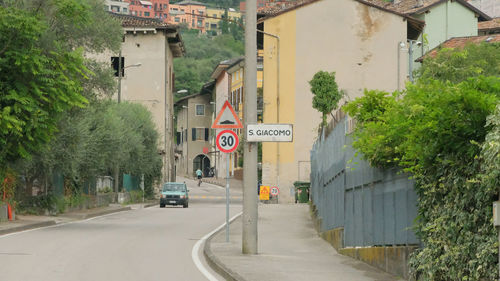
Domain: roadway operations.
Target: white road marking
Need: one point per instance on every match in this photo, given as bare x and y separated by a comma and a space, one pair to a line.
60, 224
195, 253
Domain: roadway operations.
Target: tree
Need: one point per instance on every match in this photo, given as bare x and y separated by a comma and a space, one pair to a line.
457, 65
326, 93
36, 86
202, 56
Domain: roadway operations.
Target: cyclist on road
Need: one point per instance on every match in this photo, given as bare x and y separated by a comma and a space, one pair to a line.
199, 174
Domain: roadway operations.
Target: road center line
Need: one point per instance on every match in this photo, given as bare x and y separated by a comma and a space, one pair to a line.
195, 253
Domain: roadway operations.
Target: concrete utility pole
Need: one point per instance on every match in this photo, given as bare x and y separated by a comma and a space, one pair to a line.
250, 212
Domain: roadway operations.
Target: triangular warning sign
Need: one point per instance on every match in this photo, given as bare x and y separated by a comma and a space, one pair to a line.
227, 118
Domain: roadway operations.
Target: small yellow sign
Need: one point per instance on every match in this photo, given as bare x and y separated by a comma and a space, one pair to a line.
264, 192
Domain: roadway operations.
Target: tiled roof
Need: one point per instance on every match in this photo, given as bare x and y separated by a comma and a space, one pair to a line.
378, 4
461, 42
274, 10
133, 21
488, 25
277, 10
410, 7
189, 2
174, 39
406, 7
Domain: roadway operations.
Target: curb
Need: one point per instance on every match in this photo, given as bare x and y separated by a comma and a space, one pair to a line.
97, 214
27, 227
53, 222
216, 264
150, 205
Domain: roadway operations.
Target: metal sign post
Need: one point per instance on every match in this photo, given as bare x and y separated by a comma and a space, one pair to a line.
227, 197
227, 141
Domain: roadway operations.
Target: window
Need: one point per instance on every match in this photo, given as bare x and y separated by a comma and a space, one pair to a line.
164, 6
125, 11
200, 23
146, 14
192, 23
178, 138
200, 134
237, 99
177, 19
200, 110
214, 15
115, 65
115, 9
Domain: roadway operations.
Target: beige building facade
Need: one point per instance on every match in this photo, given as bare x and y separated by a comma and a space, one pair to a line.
147, 53
358, 41
193, 136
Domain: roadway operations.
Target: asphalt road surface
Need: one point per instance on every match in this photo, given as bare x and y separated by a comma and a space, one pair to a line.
143, 244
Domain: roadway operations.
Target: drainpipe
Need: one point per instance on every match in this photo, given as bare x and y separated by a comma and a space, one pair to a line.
277, 101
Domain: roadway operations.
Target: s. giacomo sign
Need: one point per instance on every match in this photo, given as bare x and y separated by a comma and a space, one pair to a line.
269, 133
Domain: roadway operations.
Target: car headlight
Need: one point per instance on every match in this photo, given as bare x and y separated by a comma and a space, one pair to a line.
161, 195
183, 196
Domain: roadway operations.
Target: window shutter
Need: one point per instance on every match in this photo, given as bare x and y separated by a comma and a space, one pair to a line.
206, 134
193, 133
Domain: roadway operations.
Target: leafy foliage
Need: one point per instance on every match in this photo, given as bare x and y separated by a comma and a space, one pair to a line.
439, 130
36, 87
92, 141
455, 65
202, 56
52, 115
326, 93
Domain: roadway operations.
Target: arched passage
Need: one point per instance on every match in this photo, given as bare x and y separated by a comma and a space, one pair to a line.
202, 162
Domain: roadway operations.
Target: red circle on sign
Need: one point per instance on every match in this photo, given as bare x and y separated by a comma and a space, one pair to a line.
275, 190
227, 141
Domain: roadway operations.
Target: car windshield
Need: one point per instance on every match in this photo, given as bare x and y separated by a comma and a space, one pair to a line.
174, 187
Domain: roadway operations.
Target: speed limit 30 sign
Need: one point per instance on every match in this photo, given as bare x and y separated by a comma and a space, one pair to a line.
227, 141
275, 191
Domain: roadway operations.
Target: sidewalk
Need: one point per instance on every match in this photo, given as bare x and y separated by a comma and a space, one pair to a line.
26, 222
289, 249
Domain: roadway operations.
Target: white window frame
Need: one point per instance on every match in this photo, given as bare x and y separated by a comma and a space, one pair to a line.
196, 110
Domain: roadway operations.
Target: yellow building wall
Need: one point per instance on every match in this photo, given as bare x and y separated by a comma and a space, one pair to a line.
285, 26
219, 13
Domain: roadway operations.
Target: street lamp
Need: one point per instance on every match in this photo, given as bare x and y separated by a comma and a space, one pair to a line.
213, 139
410, 56
187, 139
120, 69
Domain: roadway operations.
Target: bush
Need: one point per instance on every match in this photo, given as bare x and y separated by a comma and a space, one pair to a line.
441, 133
135, 196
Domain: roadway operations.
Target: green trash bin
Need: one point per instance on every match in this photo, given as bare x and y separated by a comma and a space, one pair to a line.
301, 191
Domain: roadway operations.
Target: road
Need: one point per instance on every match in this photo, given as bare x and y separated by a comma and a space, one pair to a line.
143, 244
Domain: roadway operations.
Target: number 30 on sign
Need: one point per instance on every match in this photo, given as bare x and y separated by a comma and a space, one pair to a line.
227, 141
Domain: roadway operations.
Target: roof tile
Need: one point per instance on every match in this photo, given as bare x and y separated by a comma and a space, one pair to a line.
461, 42
487, 25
